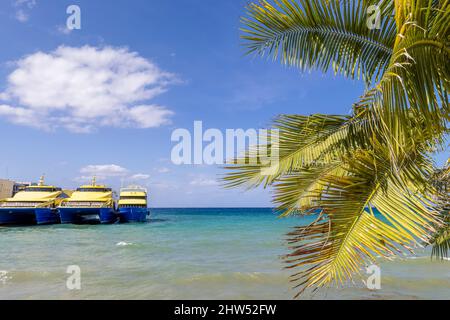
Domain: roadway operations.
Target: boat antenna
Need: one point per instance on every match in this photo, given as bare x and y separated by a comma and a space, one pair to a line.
94, 181
41, 180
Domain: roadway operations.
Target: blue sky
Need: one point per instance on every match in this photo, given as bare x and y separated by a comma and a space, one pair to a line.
199, 71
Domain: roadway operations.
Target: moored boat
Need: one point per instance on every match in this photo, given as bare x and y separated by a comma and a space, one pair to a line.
133, 204
32, 205
89, 204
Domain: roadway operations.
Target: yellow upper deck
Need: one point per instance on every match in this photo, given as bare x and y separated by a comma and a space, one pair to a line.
92, 192
33, 194
36, 194
133, 195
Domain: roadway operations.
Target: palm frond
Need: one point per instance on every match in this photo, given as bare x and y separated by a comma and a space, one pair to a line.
322, 34
376, 160
303, 141
301, 191
349, 234
413, 92
441, 239
441, 242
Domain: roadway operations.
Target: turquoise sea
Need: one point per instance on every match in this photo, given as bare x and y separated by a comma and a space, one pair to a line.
185, 254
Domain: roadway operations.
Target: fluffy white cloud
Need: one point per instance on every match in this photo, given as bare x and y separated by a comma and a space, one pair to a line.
203, 182
84, 88
30, 4
163, 170
19, 115
22, 16
62, 29
139, 176
21, 7
104, 170
148, 116
109, 171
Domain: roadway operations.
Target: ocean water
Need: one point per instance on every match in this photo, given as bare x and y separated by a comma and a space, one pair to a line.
186, 254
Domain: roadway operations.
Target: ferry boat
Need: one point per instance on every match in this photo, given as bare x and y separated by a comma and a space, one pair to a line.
32, 205
133, 204
89, 204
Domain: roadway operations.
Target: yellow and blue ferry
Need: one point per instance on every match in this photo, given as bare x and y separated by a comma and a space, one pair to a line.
32, 205
89, 204
133, 204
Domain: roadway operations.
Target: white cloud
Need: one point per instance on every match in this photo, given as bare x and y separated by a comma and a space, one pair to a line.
164, 186
19, 115
203, 182
163, 170
30, 4
149, 116
109, 171
22, 16
22, 9
63, 30
104, 171
83, 179
139, 176
84, 88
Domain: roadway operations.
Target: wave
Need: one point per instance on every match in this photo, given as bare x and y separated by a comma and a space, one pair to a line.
124, 244
4, 276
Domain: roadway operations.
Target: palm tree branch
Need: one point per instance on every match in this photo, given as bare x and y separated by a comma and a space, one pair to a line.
321, 34
355, 234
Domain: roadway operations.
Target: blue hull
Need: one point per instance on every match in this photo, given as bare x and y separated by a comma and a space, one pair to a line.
133, 214
87, 215
47, 216
19, 216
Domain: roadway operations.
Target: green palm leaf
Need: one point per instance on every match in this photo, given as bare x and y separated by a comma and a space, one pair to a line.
441, 240
375, 160
322, 34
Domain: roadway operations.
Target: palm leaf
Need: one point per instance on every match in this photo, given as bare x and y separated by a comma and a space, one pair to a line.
303, 141
349, 234
322, 34
441, 240
375, 160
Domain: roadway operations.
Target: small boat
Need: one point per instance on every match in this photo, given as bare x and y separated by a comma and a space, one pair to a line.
89, 204
133, 204
32, 205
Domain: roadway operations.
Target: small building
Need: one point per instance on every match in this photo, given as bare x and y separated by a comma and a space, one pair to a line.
9, 188
6, 188
19, 186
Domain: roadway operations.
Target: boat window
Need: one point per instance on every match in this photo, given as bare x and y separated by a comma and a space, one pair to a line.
93, 190
133, 197
42, 189
133, 206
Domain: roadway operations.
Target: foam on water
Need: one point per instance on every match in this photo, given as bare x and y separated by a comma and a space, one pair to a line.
123, 244
4, 276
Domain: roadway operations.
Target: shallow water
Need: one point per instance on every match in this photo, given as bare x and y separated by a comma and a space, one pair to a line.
185, 254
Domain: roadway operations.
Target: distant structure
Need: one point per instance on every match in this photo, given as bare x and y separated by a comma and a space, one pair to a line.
9, 188
19, 186
6, 188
